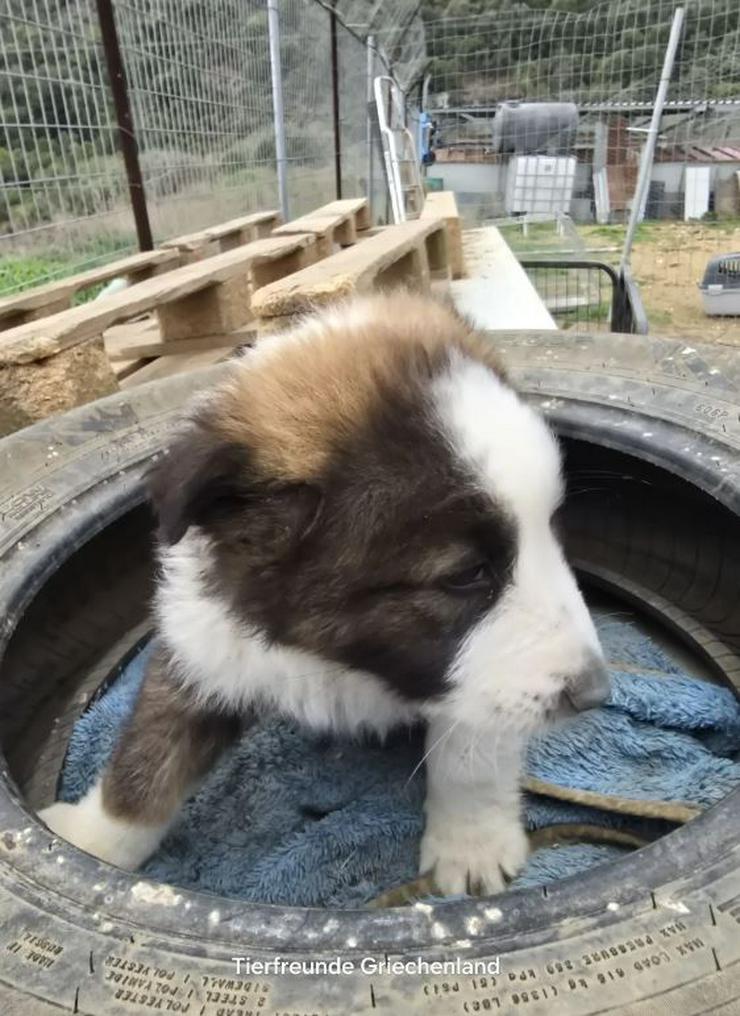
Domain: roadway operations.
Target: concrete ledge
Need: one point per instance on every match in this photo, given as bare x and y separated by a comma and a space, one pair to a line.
499, 293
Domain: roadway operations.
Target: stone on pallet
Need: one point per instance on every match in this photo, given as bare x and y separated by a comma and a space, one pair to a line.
32, 391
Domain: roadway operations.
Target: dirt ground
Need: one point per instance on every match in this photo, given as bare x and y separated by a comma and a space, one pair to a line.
668, 262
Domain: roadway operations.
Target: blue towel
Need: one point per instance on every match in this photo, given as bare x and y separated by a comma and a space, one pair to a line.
300, 819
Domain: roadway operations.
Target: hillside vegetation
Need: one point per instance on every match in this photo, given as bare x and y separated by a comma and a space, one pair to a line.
487, 50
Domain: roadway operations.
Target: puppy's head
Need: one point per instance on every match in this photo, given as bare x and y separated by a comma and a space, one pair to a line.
373, 491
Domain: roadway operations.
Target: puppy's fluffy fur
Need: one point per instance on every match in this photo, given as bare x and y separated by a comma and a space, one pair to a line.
356, 531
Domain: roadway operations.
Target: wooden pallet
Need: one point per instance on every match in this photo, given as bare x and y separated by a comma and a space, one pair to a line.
59, 362
409, 254
53, 297
443, 205
136, 341
163, 367
335, 224
224, 236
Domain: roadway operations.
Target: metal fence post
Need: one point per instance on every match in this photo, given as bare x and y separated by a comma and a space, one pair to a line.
335, 103
126, 131
278, 112
369, 98
646, 162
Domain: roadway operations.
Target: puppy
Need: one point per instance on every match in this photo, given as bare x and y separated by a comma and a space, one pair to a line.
356, 531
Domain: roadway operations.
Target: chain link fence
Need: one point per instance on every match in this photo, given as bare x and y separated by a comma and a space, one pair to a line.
199, 87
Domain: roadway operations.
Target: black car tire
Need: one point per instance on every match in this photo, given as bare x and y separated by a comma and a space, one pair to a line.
652, 437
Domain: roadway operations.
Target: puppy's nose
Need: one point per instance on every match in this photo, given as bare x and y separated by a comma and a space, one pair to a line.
590, 687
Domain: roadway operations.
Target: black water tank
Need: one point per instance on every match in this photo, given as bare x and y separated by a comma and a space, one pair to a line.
535, 128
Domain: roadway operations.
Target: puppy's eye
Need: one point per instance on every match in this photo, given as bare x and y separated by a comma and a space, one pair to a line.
470, 579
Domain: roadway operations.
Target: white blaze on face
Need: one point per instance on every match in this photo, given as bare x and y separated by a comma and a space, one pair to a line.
514, 662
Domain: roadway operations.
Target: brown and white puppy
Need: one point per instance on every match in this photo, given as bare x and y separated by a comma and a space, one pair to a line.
356, 531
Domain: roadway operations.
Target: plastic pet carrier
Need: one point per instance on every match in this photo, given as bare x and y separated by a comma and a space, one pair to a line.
720, 288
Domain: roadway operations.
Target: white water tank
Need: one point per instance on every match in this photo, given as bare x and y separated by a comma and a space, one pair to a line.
540, 184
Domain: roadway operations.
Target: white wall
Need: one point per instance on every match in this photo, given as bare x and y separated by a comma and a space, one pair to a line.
481, 184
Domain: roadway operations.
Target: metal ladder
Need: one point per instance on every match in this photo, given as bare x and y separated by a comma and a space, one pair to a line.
399, 152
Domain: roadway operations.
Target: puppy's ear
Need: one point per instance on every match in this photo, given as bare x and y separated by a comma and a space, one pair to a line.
193, 481
207, 481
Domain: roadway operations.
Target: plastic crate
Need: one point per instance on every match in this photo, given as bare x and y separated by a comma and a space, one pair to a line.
720, 287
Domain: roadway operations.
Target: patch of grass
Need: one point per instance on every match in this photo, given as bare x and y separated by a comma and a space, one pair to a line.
613, 234
19, 273
591, 313
539, 236
658, 316
23, 271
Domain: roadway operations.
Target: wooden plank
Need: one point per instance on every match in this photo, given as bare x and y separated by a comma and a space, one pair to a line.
443, 205
169, 365
222, 309
55, 296
328, 230
39, 339
154, 346
124, 368
405, 254
335, 223
228, 234
354, 206
120, 339
266, 220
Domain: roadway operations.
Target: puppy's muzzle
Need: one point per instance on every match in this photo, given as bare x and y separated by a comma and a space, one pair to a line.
590, 687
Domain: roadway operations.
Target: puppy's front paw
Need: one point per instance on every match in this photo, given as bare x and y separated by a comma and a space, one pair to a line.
477, 857
88, 826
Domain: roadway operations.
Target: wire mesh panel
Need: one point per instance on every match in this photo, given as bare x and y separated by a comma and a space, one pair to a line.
537, 107
199, 85
523, 82
307, 87
356, 144
63, 204
193, 107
